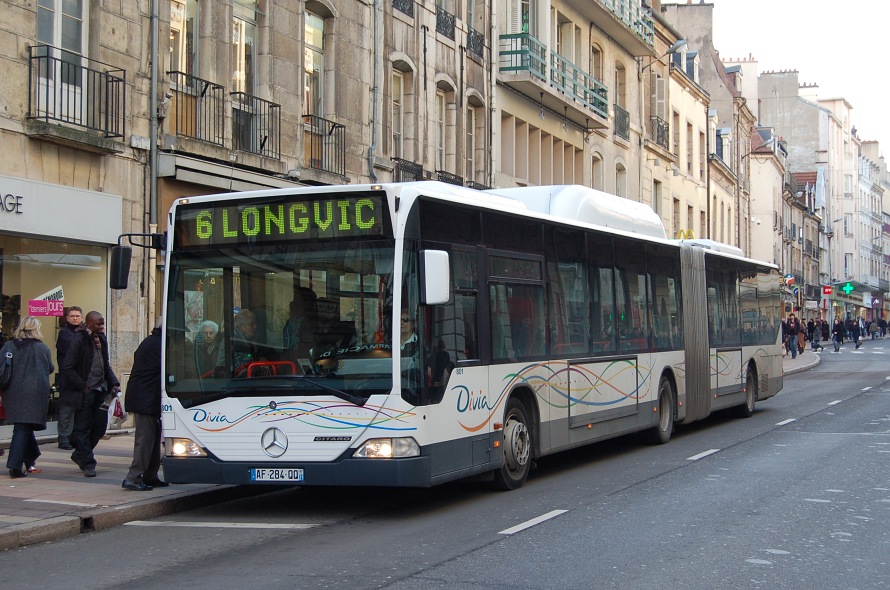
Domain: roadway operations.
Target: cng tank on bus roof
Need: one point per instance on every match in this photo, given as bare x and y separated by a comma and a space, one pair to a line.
580, 203
716, 246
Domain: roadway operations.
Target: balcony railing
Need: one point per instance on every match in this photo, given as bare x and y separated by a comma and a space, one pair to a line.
72, 89
256, 125
198, 110
477, 185
325, 144
404, 6
450, 178
520, 52
407, 171
634, 16
475, 42
659, 131
622, 123
573, 81
444, 22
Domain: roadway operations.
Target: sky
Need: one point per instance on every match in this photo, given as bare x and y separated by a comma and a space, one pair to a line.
841, 46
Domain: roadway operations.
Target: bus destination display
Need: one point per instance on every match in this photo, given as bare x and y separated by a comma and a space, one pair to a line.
282, 219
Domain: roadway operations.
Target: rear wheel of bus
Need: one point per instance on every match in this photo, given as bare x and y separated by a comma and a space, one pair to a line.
518, 445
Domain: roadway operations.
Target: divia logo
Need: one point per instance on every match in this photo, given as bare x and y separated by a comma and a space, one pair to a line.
471, 401
202, 416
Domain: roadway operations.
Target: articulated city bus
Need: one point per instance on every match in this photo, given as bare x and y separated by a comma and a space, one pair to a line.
413, 334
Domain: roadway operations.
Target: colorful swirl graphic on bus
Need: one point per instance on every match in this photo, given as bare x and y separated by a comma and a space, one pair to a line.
599, 384
334, 416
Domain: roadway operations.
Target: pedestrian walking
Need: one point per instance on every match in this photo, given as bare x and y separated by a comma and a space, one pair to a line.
791, 327
143, 400
816, 335
88, 381
26, 399
838, 331
73, 319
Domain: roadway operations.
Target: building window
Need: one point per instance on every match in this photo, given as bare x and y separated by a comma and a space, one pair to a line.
621, 180
183, 36
243, 48
620, 85
470, 146
398, 113
440, 130
596, 62
313, 63
656, 196
521, 16
596, 169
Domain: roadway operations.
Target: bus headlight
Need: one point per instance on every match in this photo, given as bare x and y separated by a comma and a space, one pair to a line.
183, 447
388, 448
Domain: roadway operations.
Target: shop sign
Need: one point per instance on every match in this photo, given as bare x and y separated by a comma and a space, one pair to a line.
51, 303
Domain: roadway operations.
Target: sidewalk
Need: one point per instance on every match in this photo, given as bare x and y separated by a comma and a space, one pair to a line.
60, 502
805, 360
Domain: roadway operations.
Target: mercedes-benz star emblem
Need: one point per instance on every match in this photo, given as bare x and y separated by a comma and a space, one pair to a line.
274, 442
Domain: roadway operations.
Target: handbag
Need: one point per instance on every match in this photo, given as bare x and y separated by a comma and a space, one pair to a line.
119, 416
6, 364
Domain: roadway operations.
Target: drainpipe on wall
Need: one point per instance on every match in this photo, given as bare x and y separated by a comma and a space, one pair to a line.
375, 92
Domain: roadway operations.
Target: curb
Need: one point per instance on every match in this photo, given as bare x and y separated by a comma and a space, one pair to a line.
61, 527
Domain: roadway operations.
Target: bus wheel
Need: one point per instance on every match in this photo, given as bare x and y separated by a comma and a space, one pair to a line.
662, 431
517, 448
746, 410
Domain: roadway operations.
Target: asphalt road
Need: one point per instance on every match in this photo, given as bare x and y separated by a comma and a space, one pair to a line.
797, 496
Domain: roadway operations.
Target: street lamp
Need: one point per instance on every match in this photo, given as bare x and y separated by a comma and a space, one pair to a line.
677, 46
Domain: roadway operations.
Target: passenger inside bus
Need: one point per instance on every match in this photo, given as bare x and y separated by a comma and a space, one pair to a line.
244, 346
208, 349
298, 334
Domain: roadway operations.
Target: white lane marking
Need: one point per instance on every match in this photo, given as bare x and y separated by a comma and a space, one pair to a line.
532, 522
866, 388
702, 455
818, 500
784, 422
62, 502
835, 402
219, 525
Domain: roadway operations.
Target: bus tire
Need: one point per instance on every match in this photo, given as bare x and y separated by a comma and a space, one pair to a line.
518, 445
664, 428
746, 410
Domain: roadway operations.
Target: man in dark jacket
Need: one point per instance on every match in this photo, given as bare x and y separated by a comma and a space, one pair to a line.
88, 380
143, 400
73, 319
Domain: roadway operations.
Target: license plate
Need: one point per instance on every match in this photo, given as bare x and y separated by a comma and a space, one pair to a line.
276, 474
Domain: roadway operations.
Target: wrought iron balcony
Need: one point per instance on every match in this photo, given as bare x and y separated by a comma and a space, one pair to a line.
72, 89
404, 6
198, 110
659, 131
407, 171
576, 83
444, 22
475, 42
325, 144
632, 14
450, 178
256, 125
520, 52
622, 123
477, 185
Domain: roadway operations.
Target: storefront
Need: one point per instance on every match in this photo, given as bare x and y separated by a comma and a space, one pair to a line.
54, 244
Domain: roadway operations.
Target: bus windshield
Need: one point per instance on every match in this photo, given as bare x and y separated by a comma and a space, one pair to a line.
298, 317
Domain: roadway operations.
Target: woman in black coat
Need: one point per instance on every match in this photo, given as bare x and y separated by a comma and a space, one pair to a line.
26, 400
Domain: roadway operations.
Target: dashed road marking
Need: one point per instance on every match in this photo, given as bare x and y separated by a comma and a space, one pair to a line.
784, 422
530, 523
702, 455
835, 402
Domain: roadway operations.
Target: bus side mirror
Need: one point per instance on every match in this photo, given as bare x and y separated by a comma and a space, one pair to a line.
120, 266
435, 277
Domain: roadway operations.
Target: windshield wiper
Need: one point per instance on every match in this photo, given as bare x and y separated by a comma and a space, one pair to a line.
276, 384
353, 399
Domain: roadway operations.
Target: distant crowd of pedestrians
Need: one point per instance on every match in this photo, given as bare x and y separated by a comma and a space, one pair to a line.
795, 335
